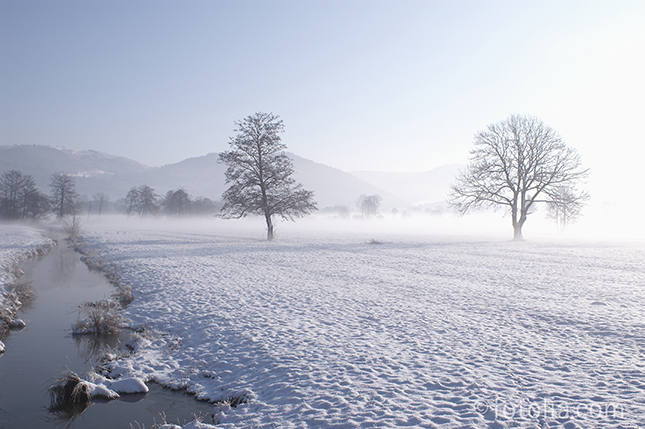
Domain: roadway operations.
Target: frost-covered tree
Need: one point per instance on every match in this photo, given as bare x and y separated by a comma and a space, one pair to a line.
565, 207
100, 199
19, 197
259, 173
517, 163
202, 206
64, 198
142, 201
176, 203
12, 184
35, 204
369, 205
131, 203
148, 201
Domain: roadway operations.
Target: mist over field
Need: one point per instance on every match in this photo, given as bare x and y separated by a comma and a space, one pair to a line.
389, 322
344, 213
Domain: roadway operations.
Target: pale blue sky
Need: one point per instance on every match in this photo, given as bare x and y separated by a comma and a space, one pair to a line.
376, 85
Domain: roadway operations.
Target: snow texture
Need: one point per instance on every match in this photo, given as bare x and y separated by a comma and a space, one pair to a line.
326, 330
99, 390
16, 244
122, 385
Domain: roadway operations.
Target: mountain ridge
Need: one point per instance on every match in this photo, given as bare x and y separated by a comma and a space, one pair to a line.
114, 175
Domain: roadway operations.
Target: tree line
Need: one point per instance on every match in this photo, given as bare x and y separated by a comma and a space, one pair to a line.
144, 201
20, 199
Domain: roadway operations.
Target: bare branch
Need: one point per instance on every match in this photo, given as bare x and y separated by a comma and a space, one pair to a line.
259, 173
517, 163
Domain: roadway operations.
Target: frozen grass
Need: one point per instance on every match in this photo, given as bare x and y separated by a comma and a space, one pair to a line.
72, 227
99, 317
21, 295
233, 401
196, 423
70, 396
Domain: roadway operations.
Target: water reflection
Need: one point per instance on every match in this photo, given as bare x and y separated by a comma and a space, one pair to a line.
36, 355
94, 348
63, 269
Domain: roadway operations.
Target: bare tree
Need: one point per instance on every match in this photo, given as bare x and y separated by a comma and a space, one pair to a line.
101, 200
369, 205
12, 186
148, 201
176, 203
515, 164
35, 204
64, 198
132, 201
142, 200
19, 197
202, 206
565, 207
260, 174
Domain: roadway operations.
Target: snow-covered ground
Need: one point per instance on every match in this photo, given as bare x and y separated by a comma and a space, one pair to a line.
323, 329
17, 243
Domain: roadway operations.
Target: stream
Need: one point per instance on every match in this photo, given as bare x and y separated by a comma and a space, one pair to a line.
43, 350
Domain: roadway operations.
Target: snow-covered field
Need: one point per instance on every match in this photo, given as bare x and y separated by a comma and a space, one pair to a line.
324, 329
17, 243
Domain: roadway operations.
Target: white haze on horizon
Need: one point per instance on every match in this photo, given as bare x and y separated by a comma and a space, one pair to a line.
482, 225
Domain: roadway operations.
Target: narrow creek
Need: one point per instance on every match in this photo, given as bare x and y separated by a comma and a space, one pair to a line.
37, 354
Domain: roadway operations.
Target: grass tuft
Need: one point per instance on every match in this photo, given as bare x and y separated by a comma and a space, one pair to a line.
234, 401
98, 317
70, 396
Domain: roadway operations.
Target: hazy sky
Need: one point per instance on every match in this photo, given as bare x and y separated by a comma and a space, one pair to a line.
361, 85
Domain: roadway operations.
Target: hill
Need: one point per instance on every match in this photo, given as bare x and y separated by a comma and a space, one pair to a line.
200, 176
418, 188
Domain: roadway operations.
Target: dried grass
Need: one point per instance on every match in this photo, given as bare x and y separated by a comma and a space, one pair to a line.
70, 396
98, 317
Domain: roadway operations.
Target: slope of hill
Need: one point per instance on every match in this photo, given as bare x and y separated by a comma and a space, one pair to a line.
200, 176
335, 187
418, 188
94, 171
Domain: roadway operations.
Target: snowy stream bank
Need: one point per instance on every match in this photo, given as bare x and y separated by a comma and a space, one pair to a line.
44, 350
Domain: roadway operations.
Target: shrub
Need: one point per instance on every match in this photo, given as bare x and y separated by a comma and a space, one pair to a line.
100, 317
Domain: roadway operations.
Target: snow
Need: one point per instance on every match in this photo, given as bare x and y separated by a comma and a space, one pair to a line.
17, 243
191, 425
99, 390
323, 329
122, 385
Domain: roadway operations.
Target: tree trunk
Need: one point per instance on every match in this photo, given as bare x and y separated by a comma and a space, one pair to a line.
269, 227
517, 232
517, 227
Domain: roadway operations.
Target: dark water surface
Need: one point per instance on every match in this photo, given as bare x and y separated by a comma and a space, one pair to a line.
46, 347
